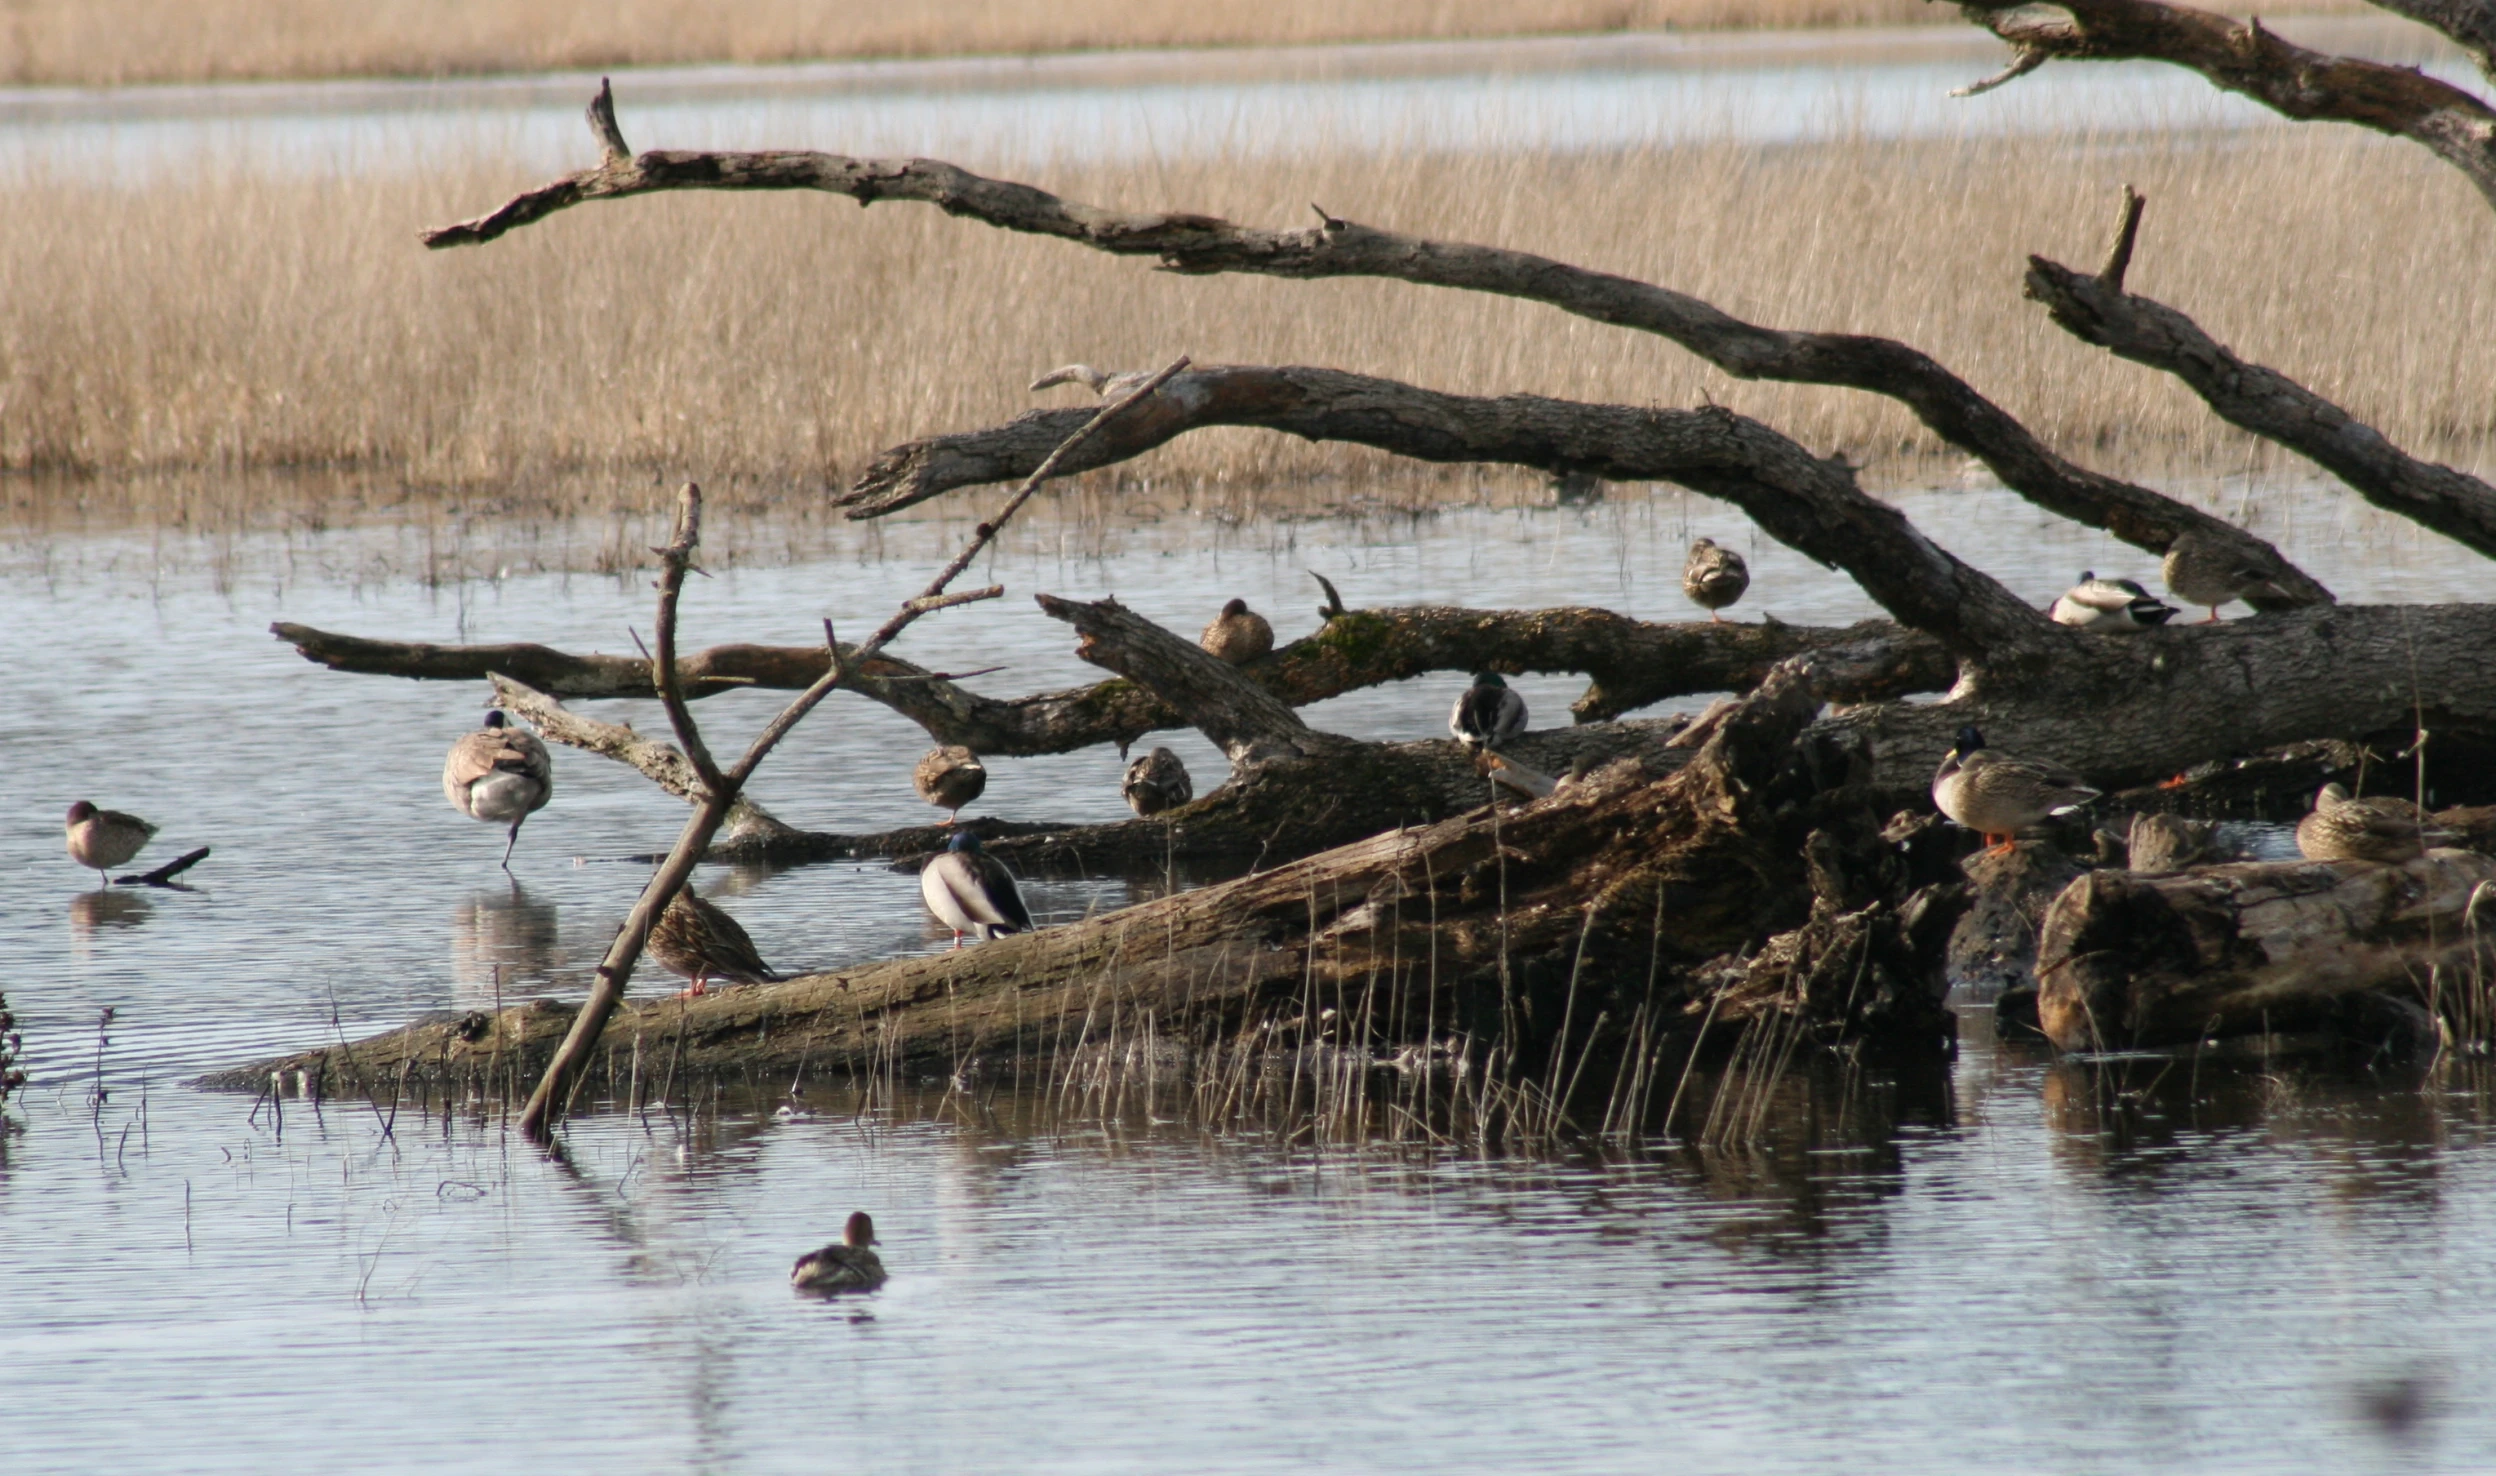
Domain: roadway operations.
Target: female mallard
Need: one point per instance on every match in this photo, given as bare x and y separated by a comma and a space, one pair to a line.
2110, 605
103, 839
695, 938
2203, 571
1999, 795
949, 778
1157, 782
1488, 714
972, 892
1238, 635
2380, 828
1714, 578
499, 773
850, 1264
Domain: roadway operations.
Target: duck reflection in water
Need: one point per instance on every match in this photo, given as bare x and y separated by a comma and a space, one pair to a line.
92, 912
501, 926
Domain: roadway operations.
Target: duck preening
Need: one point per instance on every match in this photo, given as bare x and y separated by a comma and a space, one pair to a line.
499, 773
2203, 571
1714, 578
848, 1264
1157, 782
2378, 828
949, 778
1488, 714
102, 839
2110, 605
971, 892
2000, 794
698, 939
1238, 635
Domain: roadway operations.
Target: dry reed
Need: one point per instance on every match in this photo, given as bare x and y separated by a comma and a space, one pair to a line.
769, 345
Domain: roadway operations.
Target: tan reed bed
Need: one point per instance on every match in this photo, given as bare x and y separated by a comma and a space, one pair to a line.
118, 41
228, 321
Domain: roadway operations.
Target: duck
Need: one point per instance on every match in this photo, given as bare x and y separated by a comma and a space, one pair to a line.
972, 892
500, 774
1714, 578
1488, 714
1238, 635
698, 939
103, 839
2201, 570
2380, 828
848, 1264
1157, 782
949, 778
2000, 794
2110, 605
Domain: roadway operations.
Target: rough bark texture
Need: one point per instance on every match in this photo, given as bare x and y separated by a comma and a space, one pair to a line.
1945, 403
2244, 58
2131, 961
2268, 403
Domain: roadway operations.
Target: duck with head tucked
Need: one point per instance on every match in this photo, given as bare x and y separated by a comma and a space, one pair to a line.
103, 839
2204, 571
1999, 794
848, 1264
499, 774
1238, 635
2377, 828
1157, 782
1487, 714
1714, 578
697, 938
2109, 605
949, 778
971, 892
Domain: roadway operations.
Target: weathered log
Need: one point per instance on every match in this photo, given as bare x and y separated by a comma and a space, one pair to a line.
1337, 248
2128, 961
2244, 58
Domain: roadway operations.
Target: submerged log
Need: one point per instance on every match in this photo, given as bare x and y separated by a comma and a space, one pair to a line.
2129, 961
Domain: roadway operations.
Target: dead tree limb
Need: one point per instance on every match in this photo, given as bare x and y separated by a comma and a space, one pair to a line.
2267, 402
2243, 58
1244, 720
2470, 23
1202, 244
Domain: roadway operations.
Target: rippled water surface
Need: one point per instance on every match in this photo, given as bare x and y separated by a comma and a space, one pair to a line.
1999, 1271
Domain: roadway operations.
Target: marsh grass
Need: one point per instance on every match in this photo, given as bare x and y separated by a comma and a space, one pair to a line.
232, 342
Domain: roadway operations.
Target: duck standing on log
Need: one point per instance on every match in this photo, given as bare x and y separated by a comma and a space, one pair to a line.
972, 892
1488, 714
2380, 828
2203, 571
949, 778
1714, 578
1998, 794
1238, 635
103, 839
698, 939
1157, 782
500, 774
2109, 605
849, 1264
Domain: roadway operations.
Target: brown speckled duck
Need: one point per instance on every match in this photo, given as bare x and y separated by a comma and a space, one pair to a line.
1157, 782
103, 839
1999, 794
697, 939
949, 778
1238, 635
1714, 578
2379, 828
849, 1264
2203, 571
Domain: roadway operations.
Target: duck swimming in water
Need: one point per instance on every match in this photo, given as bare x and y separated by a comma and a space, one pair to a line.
1999, 794
849, 1264
2109, 605
972, 892
103, 839
500, 774
1488, 714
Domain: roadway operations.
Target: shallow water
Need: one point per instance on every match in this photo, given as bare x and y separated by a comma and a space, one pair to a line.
1621, 91
1974, 1276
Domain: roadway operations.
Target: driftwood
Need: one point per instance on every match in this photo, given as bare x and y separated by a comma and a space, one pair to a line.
2129, 961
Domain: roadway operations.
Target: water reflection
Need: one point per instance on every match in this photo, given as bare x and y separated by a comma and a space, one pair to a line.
503, 942
91, 913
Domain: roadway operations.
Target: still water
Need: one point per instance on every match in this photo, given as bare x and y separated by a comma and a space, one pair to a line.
1972, 1274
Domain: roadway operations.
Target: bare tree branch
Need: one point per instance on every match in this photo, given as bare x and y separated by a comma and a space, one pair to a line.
1201, 244
2243, 58
2470, 23
1242, 718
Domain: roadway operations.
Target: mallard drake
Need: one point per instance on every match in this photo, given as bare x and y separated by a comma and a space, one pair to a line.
1998, 794
972, 892
2203, 571
1714, 578
849, 1264
1238, 635
1488, 714
2378, 828
2110, 605
949, 778
696, 938
1157, 782
103, 839
499, 773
